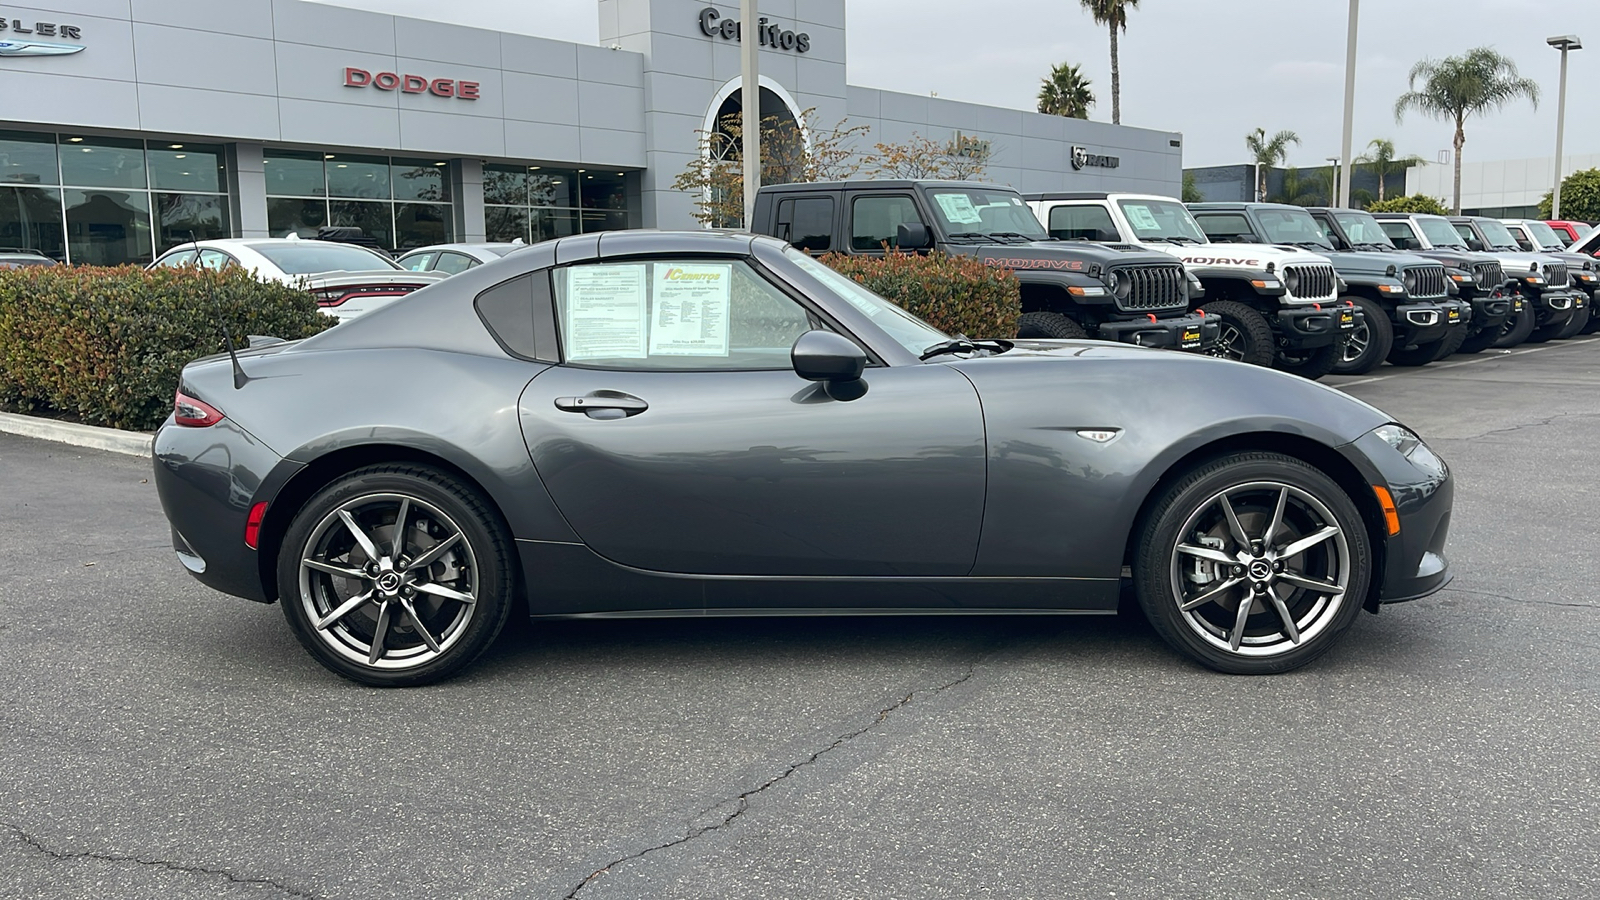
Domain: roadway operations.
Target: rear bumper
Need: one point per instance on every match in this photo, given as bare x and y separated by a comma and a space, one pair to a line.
1191, 331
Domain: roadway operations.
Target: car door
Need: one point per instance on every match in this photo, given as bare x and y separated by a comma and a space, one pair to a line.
676, 437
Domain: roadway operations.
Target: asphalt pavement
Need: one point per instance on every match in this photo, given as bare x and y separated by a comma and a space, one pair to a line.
161, 740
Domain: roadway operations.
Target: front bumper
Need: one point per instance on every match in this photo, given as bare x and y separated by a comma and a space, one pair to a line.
1492, 310
1555, 306
1421, 322
1190, 331
1414, 563
1311, 327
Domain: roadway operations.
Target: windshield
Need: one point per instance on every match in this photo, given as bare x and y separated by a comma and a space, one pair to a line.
1497, 234
906, 329
981, 211
1291, 226
1545, 235
1439, 232
315, 257
1362, 228
1161, 220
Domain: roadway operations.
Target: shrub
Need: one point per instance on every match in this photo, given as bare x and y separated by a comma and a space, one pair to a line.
1416, 203
956, 294
1580, 197
104, 346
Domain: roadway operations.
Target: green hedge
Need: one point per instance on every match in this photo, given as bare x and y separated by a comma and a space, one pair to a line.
104, 346
1416, 203
956, 294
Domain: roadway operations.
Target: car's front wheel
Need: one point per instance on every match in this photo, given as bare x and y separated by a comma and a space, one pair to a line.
396, 575
1253, 563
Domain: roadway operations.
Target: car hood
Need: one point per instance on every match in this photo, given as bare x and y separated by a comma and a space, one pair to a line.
1040, 254
1371, 262
1245, 256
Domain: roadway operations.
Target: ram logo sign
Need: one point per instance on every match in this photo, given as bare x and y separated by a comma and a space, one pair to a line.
1082, 157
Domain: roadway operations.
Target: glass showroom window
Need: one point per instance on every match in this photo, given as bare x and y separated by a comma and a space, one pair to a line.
399, 203
537, 203
108, 201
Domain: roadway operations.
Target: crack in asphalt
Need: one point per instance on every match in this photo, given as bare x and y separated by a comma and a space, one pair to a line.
743, 800
1508, 597
61, 856
1538, 424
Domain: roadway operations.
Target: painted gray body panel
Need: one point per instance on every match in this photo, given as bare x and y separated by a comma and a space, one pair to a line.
950, 485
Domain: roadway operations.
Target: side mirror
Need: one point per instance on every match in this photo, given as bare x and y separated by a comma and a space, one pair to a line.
912, 236
832, 359
1474, 244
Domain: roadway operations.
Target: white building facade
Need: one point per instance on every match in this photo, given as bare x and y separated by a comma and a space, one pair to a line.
1504, 188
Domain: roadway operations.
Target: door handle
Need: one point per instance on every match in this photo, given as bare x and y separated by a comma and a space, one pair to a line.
603, 405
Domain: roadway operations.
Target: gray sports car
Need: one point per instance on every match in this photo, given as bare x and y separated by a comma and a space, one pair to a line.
662, 424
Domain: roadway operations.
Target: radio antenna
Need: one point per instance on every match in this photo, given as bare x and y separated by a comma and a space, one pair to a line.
240, 379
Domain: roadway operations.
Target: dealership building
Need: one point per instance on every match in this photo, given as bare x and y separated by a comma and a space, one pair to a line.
129, 125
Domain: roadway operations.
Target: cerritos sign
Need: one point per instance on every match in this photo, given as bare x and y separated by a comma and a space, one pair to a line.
1082, 157
713, 25
20, 38
411, 84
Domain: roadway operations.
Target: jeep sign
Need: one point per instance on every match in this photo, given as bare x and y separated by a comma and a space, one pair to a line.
1082, 157
411, 84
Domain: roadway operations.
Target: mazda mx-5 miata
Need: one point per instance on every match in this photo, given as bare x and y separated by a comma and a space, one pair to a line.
665, 424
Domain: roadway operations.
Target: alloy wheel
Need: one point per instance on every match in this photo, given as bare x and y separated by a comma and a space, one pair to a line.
1229, 344
388, 581
1260, 568
1356, 343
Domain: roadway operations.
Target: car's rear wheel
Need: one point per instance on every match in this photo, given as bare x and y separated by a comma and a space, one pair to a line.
1253, 563
1366, 347
1041, 324
1244, 334
396, 575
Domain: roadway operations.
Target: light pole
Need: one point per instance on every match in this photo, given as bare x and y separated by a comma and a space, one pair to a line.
750, 99
1349, 99
1339, 197
1562, 42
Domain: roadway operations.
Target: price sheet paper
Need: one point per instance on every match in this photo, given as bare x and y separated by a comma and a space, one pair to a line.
605, 312
690, 313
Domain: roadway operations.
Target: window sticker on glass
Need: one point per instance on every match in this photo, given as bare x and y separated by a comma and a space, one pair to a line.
958, 208
690, 313
605, 312
1141, 217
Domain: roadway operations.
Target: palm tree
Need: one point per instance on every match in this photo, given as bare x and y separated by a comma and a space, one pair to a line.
1381, 160
1302, 191
1066, 93
1268, 152
1460, 86
1114, 15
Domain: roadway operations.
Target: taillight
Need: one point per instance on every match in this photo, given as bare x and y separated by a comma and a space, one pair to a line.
252, 525
191, 413
337, 296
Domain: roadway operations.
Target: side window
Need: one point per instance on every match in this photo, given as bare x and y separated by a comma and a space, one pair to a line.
873, 220
1082, 223
419, 262
688, 314
180, 258
215, 259
807, 223
1226, 227
1400, 234
453, 263
1522, 238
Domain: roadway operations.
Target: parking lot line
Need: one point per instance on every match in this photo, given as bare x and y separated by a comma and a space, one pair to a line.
1569, 342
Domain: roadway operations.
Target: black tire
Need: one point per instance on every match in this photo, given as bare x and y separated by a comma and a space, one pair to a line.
1481, 340
1310, 364
460, 595
1367, 346
1593, 324
1246, 336
1040, 324
1189, 514
1518, 327
1580, 321
1422, 354
1545, 333
1452, 342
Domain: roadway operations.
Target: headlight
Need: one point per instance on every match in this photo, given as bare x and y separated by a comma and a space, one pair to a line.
1409, 279
1291, 280
1407, 444
1119, 285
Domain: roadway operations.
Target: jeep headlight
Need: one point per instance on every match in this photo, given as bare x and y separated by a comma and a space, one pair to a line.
1120, 285
1407, 444
1291, 280
1409, 279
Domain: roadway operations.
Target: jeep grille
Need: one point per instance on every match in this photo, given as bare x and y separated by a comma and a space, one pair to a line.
1312, 282
1488, 274
1427, 281
1556, 274
1153, 287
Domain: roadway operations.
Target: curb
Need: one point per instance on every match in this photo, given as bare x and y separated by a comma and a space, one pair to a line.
130, 443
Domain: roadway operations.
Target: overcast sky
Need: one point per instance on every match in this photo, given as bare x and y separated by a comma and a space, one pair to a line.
1212, 69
